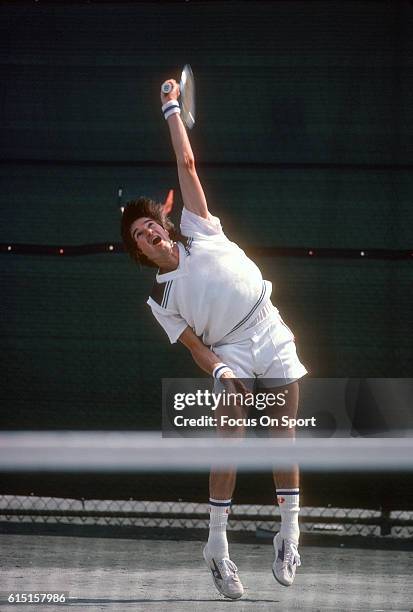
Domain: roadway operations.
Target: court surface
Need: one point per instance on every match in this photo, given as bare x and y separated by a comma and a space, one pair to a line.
124, 574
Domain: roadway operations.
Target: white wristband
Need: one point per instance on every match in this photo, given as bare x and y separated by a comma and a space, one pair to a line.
172, 111
169, 104
220, 369
170, 108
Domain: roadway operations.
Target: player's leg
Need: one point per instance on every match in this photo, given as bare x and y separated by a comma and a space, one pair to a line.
222, 485
216, 554
222, 482
278, 366
287, 486
221, 489
286, 481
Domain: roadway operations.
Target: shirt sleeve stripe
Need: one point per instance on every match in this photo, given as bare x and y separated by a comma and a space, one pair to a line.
166, 294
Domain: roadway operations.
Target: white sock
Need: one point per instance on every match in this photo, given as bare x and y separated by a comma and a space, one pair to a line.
289, 503
218, 519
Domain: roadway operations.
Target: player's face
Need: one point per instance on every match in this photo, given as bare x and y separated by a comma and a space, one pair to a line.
150, 238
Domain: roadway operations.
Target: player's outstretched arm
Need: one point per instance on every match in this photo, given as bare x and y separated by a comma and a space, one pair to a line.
207, 360
192, 193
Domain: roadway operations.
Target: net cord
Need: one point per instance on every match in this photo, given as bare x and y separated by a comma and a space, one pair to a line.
88, 451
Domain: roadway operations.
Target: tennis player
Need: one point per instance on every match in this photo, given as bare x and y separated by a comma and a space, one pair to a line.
211, 297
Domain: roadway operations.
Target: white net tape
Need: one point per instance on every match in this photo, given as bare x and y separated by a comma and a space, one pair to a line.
145, 452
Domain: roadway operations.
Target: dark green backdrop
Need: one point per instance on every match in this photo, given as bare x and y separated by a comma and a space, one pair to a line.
304, 138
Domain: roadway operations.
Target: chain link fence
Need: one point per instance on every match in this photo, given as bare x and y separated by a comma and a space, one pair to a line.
243, 518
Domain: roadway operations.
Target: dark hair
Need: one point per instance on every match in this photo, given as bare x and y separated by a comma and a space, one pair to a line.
144, 207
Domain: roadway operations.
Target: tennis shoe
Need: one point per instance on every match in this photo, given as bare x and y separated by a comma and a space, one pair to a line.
286, 560
225, 576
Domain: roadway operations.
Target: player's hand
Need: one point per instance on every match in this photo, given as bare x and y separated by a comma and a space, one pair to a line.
173, 94
234, 408
236, 385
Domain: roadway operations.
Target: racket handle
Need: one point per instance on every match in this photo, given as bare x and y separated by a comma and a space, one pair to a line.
166, 88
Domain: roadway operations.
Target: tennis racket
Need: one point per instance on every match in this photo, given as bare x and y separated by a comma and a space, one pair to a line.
187, 96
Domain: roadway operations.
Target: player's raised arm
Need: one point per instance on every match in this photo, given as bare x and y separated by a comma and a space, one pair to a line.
192, 193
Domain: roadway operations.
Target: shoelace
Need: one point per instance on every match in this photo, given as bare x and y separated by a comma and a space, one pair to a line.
228, 569
291, 554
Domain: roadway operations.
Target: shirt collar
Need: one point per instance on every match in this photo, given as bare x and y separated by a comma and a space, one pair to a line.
179, 271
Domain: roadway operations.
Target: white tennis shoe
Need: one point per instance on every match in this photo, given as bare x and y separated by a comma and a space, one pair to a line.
286, 560
225, 576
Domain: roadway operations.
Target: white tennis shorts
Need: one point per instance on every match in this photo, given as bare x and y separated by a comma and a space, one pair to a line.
268, 355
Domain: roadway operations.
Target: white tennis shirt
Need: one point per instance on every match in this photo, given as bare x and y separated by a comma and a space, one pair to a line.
216, 289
